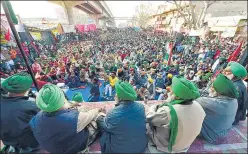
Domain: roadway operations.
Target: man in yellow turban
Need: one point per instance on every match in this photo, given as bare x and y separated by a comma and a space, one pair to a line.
236, 72
123, 129
17, 109
171, 126
59, 127
220, 109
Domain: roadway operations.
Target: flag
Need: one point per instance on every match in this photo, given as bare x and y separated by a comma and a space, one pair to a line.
217, 54
7, 35
12, 13
234, 55
170, 55
167, 54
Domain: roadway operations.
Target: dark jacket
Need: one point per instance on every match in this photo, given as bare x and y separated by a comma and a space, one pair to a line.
124, 129
73, 82
57, 132
159, 83
95, 90
16, 112
242, 100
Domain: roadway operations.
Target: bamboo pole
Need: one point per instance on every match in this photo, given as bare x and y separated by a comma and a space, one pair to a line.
12, 27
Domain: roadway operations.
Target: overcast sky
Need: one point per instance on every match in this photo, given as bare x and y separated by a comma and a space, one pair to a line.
127, 8
35, 9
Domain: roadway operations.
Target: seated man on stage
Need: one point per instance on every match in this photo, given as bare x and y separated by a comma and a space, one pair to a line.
220, 109
174, 126
17, 109
123, 129
236, 72
60, 127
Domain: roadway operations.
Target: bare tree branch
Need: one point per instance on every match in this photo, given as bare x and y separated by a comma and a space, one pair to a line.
211, 3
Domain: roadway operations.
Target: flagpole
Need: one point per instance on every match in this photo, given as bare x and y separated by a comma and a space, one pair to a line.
11, 24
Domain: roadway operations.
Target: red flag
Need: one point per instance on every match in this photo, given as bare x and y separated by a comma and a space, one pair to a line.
217, 54
7, 36
234, 55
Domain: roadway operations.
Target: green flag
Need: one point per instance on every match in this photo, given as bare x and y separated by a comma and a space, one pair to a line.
166, 56
12, 13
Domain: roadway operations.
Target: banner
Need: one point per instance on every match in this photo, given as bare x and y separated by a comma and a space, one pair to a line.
36, 35
55, 31
2, 39
60, 29
86, 28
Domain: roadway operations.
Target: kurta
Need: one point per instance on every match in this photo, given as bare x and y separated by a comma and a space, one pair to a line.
189, 114
220, 114
123, 129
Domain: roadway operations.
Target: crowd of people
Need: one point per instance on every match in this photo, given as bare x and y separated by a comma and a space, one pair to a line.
204, 94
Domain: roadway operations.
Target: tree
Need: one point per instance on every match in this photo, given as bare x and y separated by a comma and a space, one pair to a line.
202, 16
187, 11
142, 14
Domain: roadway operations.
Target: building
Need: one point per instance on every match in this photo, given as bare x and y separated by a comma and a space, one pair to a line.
165, 16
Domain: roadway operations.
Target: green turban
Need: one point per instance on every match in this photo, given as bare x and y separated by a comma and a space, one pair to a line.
185, 90
237, 69
145, 62
77, 97
222, 59
225, 87
92, 67
50, 98
17, 83
125, 91
207, 76
2, 79
132, 66
107, 71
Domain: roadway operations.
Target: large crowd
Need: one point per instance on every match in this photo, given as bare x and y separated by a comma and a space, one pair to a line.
203, 91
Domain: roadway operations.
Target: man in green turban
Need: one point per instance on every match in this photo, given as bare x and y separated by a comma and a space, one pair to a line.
17, 109
124, 126
220, 108
78, 97
60, 127
236, 72
170, 124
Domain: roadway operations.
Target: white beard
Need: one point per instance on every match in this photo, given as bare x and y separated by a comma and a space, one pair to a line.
230, 76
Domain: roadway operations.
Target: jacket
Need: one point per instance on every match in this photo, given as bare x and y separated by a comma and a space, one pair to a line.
242, 100
123, 129
16, 112
63, 131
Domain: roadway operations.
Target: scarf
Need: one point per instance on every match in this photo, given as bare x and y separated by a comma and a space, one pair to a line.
173, 122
